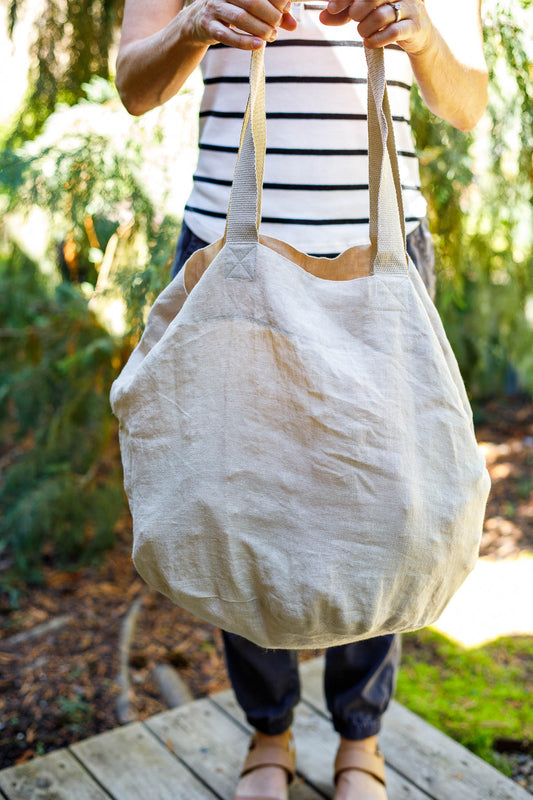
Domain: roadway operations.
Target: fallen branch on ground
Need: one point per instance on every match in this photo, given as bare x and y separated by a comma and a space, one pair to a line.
125, 712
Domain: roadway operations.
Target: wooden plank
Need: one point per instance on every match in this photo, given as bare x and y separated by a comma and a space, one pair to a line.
213, 746
131, 763
57, 775
447, 768
316, 745
424, 755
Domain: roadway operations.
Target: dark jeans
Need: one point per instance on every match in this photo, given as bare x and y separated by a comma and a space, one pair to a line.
360, 677
359, 682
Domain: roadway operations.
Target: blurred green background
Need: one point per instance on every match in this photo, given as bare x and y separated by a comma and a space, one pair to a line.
89, 215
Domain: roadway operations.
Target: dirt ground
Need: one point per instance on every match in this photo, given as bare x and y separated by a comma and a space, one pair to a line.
59, 654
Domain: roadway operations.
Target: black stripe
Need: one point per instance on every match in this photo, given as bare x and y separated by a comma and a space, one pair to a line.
282, 221
288, 151
292, 115
285, 79
217, 214
300, 79
302, 187
287, 221
314, 43
284, 115
325, 43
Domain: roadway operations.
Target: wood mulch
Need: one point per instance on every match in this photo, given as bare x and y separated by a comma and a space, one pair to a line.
59, 654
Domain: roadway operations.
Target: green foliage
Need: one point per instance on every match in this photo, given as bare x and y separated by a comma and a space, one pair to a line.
72, 45
480, 193
84, 173
60, 345
76, 713
475, 696
62, 488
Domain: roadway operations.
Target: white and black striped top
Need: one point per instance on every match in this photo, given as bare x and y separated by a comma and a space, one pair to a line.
316, 172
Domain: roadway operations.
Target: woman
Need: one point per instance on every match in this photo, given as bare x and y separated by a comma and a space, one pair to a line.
316, 198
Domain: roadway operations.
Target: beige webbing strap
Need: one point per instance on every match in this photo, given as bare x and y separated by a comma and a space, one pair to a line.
244, 212
387, 224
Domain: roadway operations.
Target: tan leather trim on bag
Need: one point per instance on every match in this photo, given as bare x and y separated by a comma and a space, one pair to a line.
353, 263
199, 262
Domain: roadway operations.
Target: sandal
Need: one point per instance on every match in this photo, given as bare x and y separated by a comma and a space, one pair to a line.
269, 755
352, 756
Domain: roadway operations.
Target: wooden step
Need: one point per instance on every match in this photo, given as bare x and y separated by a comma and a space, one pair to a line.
195, 752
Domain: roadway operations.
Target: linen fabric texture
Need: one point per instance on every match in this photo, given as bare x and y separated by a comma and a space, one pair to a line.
298, 446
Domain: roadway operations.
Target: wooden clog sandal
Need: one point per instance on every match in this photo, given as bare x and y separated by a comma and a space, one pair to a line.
352, 756
269, 755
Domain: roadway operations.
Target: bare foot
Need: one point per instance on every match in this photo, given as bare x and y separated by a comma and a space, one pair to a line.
267, 781
353, 784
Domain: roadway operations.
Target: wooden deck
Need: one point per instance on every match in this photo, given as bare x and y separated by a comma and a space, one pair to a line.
194, 753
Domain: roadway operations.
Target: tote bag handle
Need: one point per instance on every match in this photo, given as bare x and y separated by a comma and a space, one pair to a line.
387, 226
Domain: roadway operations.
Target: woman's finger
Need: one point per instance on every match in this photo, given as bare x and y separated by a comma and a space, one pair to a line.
288, 22
262, 22
217, 32
381, 17
216, 21
381, 23
339, 18
268, 11
358, 9
403, 21
397, 32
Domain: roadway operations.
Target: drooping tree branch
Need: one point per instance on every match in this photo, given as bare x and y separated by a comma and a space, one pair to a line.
73, 39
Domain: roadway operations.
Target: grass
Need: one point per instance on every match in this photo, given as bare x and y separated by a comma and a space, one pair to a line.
477, 696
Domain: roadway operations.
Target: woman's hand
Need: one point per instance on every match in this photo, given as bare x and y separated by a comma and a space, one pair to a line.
245, 24
162, 42
447, 58
405, 22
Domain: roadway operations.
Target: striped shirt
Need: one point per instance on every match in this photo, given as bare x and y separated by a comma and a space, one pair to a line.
315, 191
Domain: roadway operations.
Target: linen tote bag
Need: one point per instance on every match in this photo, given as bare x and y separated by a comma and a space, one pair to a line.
298, 447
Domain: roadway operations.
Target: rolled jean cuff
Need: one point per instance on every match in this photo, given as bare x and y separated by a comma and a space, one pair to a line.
272, 727
362, 729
